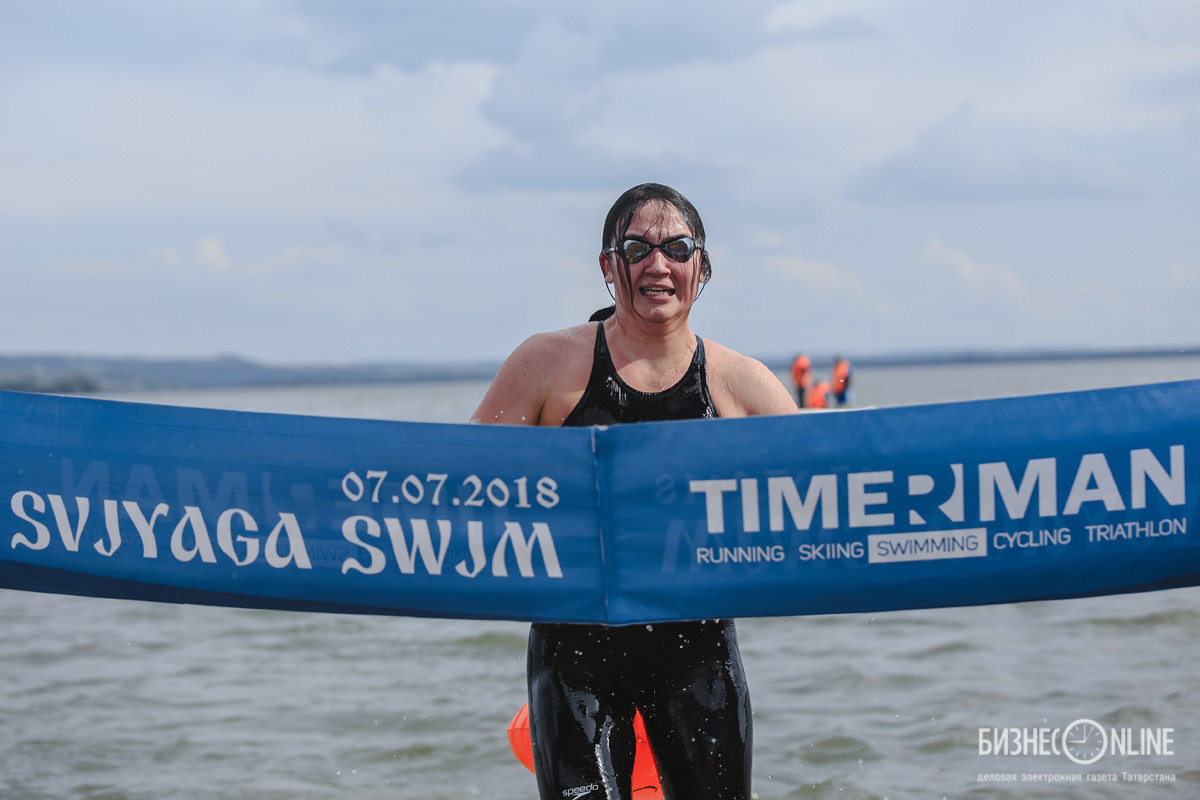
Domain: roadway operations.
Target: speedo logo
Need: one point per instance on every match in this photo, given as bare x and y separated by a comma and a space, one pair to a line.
579, 791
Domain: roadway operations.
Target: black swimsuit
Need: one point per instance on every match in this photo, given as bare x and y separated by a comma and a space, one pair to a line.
608, 400
685, 677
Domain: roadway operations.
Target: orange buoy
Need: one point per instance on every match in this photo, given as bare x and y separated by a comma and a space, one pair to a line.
645, 774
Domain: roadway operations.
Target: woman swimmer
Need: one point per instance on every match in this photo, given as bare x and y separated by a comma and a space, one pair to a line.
642, 364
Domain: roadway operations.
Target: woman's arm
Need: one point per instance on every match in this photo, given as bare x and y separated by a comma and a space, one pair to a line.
541, 381
515, 397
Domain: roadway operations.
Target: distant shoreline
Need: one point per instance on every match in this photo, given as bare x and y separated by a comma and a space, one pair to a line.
958, 357
82, 374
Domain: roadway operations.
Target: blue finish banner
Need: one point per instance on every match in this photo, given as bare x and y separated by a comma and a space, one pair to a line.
992, 501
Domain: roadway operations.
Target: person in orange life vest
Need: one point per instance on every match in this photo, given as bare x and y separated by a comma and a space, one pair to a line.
842, 373
801, 378
818, 397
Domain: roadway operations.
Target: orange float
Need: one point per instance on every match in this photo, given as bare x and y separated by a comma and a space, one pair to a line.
645, 774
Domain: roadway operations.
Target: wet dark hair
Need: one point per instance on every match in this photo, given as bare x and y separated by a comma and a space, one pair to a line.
616, 224
602, 314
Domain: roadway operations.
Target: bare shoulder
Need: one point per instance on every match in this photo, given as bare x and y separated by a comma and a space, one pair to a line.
742, 386
539, 377
552, 348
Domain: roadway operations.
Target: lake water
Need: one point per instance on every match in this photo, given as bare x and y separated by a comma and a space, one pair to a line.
117, 700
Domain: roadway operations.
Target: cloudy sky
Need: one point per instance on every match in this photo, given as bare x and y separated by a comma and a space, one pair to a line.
316, 181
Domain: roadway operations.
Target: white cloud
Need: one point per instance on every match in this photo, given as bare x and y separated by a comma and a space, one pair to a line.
830, 16
211, 255
1182, 275
963, 159
820, 277
983, 281
1170, 22
384, 180
206, 256
270, 142
1046, 94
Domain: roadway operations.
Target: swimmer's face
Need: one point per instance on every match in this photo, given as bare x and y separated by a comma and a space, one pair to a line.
656, 288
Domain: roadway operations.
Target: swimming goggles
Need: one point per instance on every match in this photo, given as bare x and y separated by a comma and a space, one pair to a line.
681, 248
